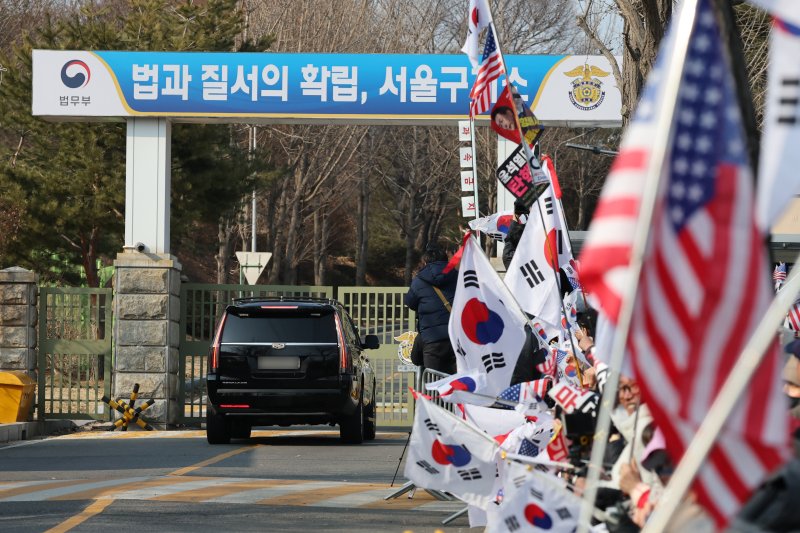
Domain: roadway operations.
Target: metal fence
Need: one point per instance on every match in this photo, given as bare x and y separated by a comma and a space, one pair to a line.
201, 307
74, 365
375, 310
75, 345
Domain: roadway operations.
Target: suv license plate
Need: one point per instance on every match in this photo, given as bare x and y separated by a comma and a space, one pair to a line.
279, 363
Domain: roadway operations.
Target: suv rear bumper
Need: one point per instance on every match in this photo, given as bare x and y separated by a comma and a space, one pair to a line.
284, 406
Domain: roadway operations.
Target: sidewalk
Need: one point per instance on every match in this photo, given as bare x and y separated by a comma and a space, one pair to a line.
16, 431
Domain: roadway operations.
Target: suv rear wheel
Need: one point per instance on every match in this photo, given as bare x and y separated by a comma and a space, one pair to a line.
351, 428
218, 429
370, 425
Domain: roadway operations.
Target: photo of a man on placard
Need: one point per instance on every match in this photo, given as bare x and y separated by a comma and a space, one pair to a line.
503, 117
510, 115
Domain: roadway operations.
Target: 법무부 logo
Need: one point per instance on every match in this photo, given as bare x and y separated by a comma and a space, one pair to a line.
75, 74
587, 89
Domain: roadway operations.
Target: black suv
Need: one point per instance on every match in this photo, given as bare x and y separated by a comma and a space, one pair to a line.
289, 360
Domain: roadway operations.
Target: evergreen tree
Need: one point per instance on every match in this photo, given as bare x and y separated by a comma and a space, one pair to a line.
62, 185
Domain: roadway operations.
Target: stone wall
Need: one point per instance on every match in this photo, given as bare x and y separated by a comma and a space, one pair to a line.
146, 332
18, 320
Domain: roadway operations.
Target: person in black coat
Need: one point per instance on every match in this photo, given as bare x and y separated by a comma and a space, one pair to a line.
433, 314
515, 230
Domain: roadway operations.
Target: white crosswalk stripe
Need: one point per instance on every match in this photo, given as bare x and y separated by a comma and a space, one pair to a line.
70, 489
356, 499
19, 484
255, 495
328, 494
165, 490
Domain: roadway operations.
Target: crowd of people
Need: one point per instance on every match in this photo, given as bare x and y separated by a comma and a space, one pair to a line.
637, 466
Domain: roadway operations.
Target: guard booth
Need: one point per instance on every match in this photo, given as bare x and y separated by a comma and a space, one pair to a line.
152, 90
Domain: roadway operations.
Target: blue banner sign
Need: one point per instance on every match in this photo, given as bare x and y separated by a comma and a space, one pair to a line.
337, 87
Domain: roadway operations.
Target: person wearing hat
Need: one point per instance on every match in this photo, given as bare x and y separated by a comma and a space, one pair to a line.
515, 230
431, 296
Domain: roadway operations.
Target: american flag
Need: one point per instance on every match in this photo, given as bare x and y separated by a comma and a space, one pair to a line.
490, 69
688, 327
548, 366
793, 317
521, 392
779, 275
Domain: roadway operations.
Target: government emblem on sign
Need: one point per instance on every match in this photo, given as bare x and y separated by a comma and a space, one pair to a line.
587, 88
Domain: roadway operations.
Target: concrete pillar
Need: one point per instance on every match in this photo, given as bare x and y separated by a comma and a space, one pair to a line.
147, 332
147, 184
18, 320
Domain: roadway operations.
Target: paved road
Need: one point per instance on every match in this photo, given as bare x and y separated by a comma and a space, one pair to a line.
279, 480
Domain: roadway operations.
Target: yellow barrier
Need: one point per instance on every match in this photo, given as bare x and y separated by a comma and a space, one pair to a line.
129, 414
17, 390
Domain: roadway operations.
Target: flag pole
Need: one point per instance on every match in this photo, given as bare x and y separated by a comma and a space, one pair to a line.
727, 399
664, 115
528, 155
474, 165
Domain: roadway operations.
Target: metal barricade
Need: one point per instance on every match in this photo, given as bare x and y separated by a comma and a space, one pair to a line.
429, 376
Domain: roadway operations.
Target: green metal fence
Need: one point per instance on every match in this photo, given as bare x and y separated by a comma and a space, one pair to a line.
380, 311
201, 306
375, 310
74, 353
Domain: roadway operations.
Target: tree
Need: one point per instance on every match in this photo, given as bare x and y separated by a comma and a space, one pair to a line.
68, 179
645, 22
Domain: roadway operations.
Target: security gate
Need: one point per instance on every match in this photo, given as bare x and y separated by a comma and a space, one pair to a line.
201, 306
74, 361
375, 310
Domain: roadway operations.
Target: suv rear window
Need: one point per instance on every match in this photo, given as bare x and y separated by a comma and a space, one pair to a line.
258, 326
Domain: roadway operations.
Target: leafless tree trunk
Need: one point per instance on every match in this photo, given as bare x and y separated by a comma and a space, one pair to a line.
362, 215
645, 22
225, 238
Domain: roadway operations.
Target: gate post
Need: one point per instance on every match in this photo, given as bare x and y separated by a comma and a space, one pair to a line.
147, 332
18, 320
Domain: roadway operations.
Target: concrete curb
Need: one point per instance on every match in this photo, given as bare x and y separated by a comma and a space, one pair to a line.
16, 431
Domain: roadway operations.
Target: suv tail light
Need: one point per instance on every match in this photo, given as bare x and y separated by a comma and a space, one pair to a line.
343, 366
215, 345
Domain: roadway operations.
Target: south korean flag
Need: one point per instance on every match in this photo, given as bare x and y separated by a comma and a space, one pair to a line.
778, 179
446, 453
533, 272
486, 325
533, 501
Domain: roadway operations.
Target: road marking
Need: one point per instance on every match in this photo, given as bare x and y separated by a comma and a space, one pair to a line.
108, 492
159, 492
215, 459
226, 490
95, 508
56, 492
440, 506
311, 497
279, 489
29, 488
201, 434
357, 499
18, 484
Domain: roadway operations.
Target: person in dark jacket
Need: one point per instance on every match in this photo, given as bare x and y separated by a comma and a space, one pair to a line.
515, 230
433, 314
